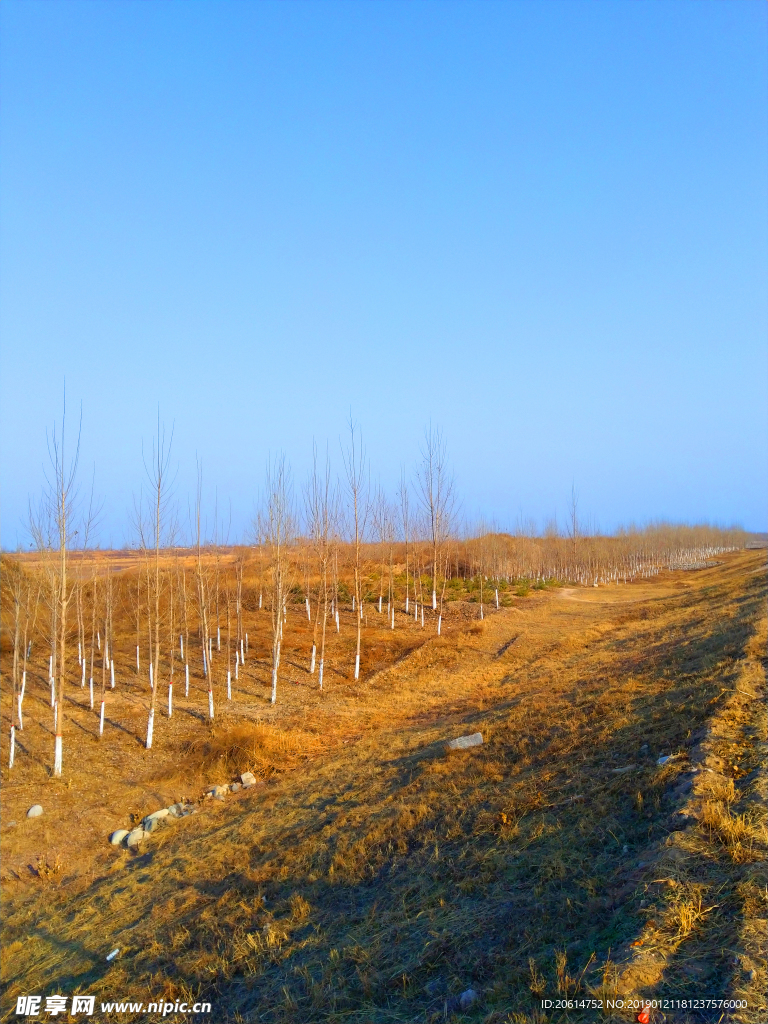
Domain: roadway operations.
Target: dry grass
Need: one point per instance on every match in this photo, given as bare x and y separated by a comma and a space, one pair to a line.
373, 877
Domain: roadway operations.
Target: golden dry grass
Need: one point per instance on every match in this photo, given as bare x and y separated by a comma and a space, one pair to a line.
373, 877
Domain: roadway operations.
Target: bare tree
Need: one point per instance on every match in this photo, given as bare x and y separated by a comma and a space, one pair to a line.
277, 529
356, 467
321, 512
202, 595
56, 522
153, 532
15, 584
573, 520
405, 518
436, 493
106, 664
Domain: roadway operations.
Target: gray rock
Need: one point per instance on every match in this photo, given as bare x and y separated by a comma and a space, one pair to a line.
235, 787
462, 742
248, 779
176, 810
34, 811
135, 837
117, 837
162, 813
217, 791
468, 998
156, 819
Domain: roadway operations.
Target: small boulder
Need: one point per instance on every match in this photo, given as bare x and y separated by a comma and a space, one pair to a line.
235, 787
463, 742
248, 779
176, 810
218, 791
135, 837
154, 820
117, 837
162, 813
34, 811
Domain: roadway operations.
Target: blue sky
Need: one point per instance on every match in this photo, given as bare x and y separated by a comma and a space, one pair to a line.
543, 226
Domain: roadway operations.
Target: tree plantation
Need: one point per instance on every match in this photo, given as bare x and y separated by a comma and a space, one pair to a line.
330, 568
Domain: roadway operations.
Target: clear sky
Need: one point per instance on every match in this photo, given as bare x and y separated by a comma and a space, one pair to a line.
543, 226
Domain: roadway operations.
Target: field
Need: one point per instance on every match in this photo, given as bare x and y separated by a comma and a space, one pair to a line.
371, 876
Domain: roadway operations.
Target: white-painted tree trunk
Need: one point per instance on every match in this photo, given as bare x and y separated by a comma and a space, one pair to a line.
82, 676
90, 687
237, 667
170, 699
150, 728
138, 665
434, 600
320, 673
242, 656
312, 661
181, 646
338, 627
379, 604
229, 685
439, 623
53, 693
497, 600
186, 680
21, 720
218, 638
393, 616
101, 720
98, 639
112, 673
13, 748
210, 704
57, 758
357, 666
79, 653
205, 666
151, 677
309, 615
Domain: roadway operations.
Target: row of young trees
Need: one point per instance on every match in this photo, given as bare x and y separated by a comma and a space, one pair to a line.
182, 598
